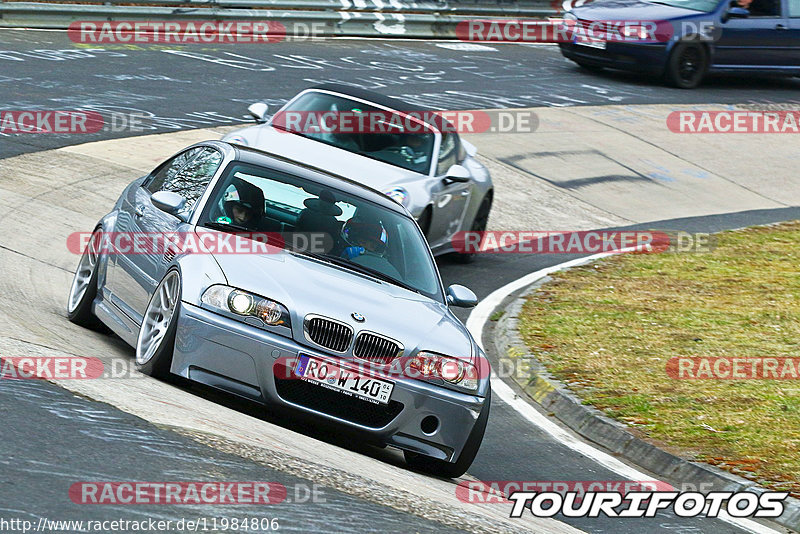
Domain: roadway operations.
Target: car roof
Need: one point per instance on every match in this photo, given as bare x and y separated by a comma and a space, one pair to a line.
323, 177
386, 101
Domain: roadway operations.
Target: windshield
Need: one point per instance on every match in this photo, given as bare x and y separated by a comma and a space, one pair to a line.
706, 6
361, 129
331, 225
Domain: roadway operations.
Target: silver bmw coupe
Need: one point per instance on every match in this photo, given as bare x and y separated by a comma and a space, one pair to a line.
413, 155
352, 330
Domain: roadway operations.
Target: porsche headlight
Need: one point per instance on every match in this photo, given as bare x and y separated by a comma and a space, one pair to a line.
230, 300
453, 371
398, 195
236, 140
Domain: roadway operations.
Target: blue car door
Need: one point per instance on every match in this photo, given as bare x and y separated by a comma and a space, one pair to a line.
759, 41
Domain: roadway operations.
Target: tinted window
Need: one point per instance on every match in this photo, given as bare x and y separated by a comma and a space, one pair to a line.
794, 8
765, 8
187, 174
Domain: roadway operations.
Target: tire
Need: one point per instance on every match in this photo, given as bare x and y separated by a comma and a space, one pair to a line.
687, 65
479, 224
83, 289
455, 469
156, 341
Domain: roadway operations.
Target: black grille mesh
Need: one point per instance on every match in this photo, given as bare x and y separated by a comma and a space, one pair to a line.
329, 334
375, 349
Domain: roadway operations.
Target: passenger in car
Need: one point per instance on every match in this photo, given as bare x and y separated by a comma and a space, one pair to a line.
319, 215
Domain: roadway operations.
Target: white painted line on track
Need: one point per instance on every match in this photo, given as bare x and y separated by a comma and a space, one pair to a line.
475, 324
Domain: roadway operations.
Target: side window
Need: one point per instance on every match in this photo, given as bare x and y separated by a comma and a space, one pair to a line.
170, 170
188, 174
794, 8
447, 154
765, 8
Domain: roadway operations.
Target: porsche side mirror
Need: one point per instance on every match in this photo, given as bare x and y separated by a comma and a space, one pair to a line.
458, 173
461, 297
258, 111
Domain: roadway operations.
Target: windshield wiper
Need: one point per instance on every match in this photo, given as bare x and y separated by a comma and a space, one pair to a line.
228, 227
347, 264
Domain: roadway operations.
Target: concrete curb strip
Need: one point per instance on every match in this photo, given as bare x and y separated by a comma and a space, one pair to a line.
593, 425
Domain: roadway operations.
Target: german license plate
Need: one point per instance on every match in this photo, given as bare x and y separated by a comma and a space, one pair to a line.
331, 376
591, 43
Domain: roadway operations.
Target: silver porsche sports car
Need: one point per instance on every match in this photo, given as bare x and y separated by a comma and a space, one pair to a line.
429, 170
354, 332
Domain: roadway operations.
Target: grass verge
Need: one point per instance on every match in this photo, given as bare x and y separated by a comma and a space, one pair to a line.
609, 328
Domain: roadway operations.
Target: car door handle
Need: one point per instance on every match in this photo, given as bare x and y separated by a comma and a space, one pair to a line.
139, 211
781, 27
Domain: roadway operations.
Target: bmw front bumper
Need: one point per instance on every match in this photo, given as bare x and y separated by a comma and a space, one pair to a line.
251, 362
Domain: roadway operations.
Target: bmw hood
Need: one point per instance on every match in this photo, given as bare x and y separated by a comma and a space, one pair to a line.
308, 286
373, 173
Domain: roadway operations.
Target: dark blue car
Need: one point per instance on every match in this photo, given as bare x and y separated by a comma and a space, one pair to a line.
692, 37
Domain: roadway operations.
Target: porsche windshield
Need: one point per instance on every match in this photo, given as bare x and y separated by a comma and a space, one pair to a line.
706, 6
333, 226
394, 138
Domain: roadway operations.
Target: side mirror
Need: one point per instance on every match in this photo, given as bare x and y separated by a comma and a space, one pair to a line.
169, 202
461, 297
737, 13
258, 111
458, 173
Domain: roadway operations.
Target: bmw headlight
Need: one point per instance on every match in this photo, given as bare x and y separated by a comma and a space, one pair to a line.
231, 300
452, 371
398, 195
236, 140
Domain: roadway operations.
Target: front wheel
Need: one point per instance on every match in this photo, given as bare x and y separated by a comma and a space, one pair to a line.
156, 341
687, 65
479, 224
455, 469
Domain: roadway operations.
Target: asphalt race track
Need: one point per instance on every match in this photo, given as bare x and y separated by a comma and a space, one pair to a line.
52, 438
192, 87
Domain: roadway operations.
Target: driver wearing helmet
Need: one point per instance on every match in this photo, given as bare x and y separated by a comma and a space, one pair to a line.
367, 245
240, 212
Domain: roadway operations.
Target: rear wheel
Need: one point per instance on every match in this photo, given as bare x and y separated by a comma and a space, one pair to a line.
479, 224
83, 290
455, 469
687, 65
156, 341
